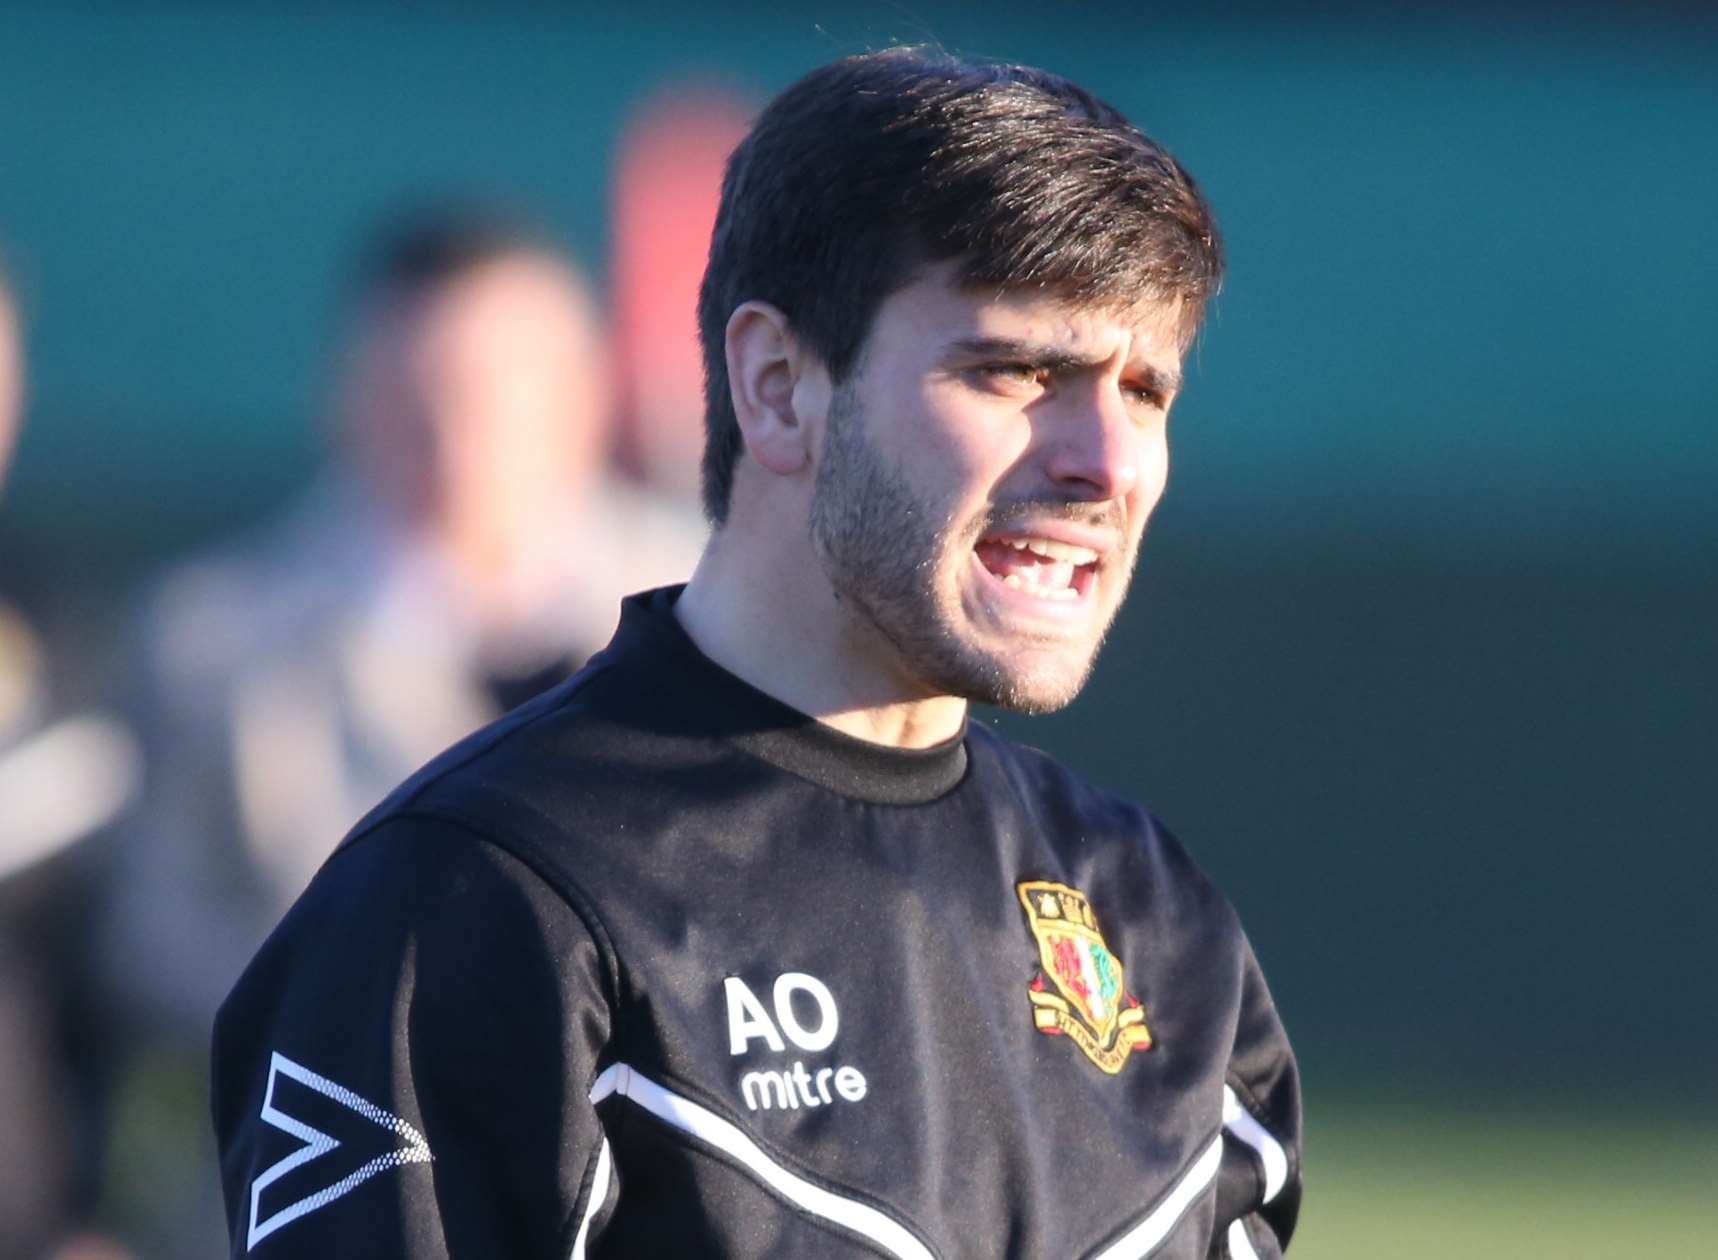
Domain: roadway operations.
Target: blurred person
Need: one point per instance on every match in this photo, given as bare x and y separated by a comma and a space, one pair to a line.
62, 777
746, 941
666, 187
469, 547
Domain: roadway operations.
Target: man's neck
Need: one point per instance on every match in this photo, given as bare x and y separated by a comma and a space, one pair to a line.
786, 633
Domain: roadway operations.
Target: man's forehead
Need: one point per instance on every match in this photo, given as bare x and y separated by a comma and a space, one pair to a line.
943, 309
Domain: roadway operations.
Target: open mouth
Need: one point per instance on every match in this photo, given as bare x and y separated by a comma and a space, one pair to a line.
1054, 571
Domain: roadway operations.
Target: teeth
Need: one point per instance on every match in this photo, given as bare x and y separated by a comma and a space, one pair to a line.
1052, 550
1014, 583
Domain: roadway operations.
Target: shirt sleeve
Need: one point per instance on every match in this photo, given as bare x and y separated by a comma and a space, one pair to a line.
1259, 1181
403, 1070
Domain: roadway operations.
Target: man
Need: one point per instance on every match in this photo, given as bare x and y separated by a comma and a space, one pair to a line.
468, 547
744, 942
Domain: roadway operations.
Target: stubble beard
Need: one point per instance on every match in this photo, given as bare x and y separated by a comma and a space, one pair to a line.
882, 548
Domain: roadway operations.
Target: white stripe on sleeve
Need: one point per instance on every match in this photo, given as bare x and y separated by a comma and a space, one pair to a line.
599, 1192
1240, 1246
1239, 1121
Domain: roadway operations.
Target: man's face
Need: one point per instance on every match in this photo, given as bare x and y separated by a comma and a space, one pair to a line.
985, 477
482, 407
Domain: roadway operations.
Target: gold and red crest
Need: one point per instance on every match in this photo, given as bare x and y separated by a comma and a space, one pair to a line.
1082, 991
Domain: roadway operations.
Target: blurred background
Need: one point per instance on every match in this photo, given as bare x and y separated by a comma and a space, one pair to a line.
1422, 662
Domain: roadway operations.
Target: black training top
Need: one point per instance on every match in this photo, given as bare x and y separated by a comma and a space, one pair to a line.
656, 965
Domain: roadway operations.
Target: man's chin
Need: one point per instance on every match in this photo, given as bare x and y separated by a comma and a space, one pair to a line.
1026, 687
1035, 704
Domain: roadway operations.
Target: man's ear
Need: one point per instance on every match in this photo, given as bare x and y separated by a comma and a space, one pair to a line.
767, 370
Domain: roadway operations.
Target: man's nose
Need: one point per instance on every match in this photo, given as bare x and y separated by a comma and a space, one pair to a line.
1093, 447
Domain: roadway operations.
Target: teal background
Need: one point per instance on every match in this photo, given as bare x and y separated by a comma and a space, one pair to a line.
1423, 657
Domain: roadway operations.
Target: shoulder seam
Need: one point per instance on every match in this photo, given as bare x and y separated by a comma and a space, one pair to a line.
533, 859
384, 812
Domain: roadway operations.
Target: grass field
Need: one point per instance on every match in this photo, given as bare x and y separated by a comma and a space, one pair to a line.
1390, 1184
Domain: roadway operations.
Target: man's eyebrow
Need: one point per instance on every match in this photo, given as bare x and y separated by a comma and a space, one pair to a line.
1053, 358
1165, 381
1038, 354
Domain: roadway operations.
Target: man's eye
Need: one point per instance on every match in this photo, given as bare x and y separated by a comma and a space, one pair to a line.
1010, 375
1143, 396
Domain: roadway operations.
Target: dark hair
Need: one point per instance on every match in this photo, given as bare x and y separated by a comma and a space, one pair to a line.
417, 251
875, 165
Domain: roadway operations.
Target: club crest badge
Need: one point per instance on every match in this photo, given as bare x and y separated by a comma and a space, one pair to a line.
1081, 993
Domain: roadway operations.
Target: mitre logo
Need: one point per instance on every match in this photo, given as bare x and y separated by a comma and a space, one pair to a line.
805, 1015
1086, 998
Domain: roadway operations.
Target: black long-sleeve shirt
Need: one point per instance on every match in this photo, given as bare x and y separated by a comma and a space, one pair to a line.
657, 965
